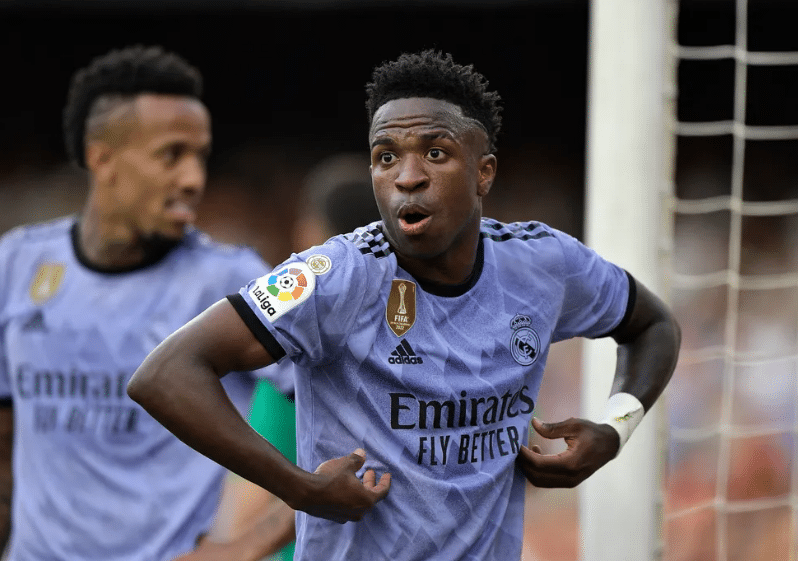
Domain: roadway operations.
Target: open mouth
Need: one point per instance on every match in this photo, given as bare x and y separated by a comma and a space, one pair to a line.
180, 211
413, 219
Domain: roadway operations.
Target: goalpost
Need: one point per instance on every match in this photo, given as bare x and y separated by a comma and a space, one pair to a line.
633, 217
627, 221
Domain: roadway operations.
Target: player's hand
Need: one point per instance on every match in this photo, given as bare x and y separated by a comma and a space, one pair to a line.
590, 446
211, 551
339, 495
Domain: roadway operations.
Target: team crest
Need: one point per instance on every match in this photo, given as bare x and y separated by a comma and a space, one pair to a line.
401, 309
319, 264
525, 343
46, 282
283, 289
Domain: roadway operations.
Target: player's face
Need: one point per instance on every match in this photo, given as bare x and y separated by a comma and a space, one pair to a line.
430, 169
160, 168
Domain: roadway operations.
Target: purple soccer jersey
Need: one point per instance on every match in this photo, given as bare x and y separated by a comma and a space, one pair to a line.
437, 384
95, 477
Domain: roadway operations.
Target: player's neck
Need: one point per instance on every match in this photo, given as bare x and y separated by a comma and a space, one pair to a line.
452, 269
107, 245
107, 241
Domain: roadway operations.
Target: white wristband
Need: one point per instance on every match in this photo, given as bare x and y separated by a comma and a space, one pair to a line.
623, 412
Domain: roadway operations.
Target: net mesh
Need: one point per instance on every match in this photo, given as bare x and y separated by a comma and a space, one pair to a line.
732, 481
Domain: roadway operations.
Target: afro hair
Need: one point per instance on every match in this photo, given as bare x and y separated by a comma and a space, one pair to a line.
436, 75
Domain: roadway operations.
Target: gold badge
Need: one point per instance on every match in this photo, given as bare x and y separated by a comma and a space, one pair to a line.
46, 282
401, 310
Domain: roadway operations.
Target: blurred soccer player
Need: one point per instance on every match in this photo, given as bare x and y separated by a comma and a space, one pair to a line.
83, 299
422, 340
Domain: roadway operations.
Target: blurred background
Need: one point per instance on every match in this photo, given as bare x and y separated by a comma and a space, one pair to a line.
284, 83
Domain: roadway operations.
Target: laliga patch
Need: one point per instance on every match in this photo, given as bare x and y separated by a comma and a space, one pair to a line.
283, 289
46, 282
319, 264
400, 313
524, 343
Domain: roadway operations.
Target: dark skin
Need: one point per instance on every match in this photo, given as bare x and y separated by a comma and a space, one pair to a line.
430, 170
648, 345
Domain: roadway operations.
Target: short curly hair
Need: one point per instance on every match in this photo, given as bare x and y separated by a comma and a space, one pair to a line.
434, 74
123, 72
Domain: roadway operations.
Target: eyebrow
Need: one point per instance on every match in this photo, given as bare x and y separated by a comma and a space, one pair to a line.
387, 140
382, 141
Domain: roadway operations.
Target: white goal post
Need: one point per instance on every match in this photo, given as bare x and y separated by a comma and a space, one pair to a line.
627, 220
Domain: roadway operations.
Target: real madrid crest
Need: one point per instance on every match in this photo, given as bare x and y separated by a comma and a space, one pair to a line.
525, 343
46, 282
401, 309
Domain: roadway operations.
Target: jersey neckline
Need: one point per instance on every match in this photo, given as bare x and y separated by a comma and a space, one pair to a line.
453, 290
74, 235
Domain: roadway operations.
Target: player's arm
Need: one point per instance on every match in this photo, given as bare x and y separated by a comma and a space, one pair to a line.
272, 530
648, 348
6, 480
179, 385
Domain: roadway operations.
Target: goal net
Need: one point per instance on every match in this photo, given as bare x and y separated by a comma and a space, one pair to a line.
715, 478
731, 480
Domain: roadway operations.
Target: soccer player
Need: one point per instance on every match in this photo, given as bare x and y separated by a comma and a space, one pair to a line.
84, 299
421, 341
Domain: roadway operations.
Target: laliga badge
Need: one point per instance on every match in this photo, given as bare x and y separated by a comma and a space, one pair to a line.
283, 289
46, 282
400, 312
525, 343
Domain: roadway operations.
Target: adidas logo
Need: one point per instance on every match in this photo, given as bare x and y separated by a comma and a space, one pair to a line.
35, 322
404, 354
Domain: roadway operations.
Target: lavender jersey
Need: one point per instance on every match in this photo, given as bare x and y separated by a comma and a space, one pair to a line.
437, 384
95, 477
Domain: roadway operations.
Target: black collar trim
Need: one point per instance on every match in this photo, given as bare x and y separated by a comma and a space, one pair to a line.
74, 234
452, 290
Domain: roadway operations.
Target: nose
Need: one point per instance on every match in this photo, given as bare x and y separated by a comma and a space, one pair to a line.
412, 174
193, 175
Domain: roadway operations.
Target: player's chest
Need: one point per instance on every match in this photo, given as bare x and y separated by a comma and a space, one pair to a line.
419, 335
92, 317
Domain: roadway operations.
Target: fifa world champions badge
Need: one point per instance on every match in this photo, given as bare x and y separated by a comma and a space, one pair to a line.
400, 313
524, 343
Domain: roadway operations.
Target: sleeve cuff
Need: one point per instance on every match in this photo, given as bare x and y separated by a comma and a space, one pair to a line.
630, 305
258, 329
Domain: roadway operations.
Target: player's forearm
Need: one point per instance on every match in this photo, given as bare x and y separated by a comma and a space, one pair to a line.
273, 531
646, 364
185, 394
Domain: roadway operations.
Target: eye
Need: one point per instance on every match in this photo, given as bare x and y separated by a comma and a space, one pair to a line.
436, 154
386, 158
172, 153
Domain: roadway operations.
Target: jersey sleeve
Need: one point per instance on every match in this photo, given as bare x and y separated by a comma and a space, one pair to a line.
597, 294
248, 266
307, 306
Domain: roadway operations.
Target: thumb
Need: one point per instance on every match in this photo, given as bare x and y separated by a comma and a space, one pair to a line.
548, 430
357, 458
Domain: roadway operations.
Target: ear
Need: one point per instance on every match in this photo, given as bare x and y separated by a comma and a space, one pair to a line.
100, 159
487, 173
